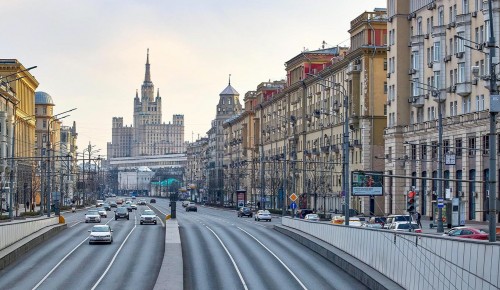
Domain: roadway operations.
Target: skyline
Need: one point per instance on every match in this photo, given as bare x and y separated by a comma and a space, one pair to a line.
91, 55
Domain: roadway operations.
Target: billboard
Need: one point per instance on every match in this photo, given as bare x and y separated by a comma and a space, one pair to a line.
367, 183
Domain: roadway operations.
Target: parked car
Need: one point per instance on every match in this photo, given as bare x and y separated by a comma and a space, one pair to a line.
263, 215
373, 226
396, 218
338, 220
121, 213
101, 234
152, 200
312, 217
354, 222
467, 233
92, 216
185, 203
405, 227
191, 207
301, 213
245, 211
148, 216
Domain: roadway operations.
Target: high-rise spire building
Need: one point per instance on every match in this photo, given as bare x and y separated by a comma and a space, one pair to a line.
148, 136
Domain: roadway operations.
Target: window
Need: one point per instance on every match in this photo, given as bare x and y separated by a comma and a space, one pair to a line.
413, 152
460, 42
458, 148
385, 87
441, 16
465, 7
437, 80
437, 51
423, 152
466, 103
472, 146
434, 149
486, 144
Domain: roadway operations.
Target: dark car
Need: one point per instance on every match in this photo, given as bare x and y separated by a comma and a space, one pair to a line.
245, 211
106, 206
301, 213
121, 213
113, 204
152, 200
128, 207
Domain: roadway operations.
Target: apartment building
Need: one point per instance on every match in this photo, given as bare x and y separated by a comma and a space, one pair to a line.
432, 47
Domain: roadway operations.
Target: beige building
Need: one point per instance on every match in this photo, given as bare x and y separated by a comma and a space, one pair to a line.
195, 168
17, 130
149, 135
432, 47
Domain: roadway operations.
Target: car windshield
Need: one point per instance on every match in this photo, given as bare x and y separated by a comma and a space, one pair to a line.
94, 212
121, 209
312, 216
265, 212
405, 226
149, 212
100, 209
403, 218
100, 229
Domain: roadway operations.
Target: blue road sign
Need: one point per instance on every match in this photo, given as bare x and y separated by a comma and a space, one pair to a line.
440, 202
293, 205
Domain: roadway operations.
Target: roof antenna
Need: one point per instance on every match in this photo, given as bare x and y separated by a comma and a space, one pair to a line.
229, 79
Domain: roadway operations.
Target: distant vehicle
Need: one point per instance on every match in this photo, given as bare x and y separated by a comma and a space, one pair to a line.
92, 216
378, 220
263, 215
372, 226
338, 220
142, 202
119, 200
73, 209
354, 222
191, 207
106, 206
121, 213
101, 234
113, 195
99, 202
133, 206
312, 217
467, 233
113, 204
245, 211
185, 203
152, 200
102, 212
128, 206
148, 216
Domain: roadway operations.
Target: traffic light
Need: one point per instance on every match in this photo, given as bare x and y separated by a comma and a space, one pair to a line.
410, 202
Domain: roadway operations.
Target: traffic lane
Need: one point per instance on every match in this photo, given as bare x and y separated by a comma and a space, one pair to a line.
314, 271
31, 268
82, 268
206, 263
139, 261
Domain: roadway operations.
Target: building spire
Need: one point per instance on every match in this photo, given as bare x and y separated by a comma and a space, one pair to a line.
147, 77
136, 93
229, 79
158, 93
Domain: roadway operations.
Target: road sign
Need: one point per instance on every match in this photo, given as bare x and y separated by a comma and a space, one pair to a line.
293, 205
293, 197
440, 202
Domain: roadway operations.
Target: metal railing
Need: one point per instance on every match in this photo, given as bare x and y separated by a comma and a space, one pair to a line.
14, 231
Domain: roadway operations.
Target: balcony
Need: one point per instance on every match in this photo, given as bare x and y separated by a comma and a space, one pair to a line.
417, 101
464, 89
417, 40
438, 31
463, 19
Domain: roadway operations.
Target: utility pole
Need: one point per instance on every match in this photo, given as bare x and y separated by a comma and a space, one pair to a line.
494, 108
262, 184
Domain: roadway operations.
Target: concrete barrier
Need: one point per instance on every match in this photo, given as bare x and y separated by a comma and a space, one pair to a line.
13, 252
11, 232
414, 261
171, 274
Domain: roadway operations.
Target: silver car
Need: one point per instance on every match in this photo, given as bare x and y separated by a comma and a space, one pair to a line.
263, 215
92, 216
148, 217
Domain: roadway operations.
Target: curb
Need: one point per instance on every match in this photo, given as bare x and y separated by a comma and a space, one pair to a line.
370, 277
15, 251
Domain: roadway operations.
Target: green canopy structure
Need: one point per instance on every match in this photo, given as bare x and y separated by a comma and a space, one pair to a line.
165, 183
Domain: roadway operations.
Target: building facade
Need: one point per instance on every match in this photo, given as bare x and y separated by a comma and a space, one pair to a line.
149, 135
441, 46
17, 132
195, 169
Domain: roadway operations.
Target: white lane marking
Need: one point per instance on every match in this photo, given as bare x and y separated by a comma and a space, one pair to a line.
75, 224
231, 257
62, 260
114, 257
288, 269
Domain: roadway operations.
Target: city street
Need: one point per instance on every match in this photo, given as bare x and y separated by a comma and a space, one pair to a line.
67, 261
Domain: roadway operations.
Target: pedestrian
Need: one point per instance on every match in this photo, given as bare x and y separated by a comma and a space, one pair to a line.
419, 216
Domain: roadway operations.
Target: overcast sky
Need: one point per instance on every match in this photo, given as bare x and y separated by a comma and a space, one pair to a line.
91, 53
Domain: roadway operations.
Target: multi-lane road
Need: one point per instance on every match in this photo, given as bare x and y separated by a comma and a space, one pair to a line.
220, 251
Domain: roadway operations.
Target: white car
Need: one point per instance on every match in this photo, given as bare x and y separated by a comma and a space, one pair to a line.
101, 234
312, 217
263, 215
354, 222
102, 212
405, 227
185, 203
133, 206
92, 216
148, 217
